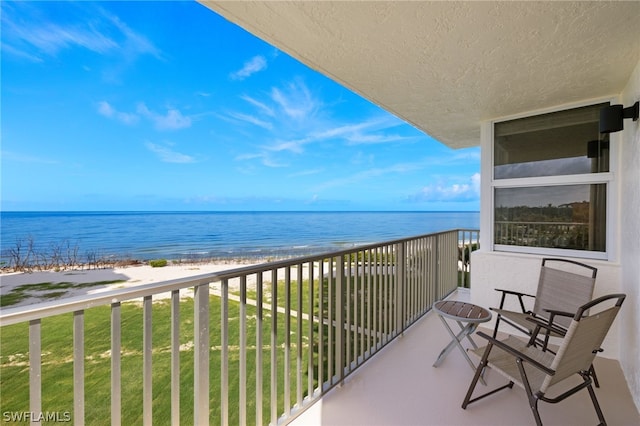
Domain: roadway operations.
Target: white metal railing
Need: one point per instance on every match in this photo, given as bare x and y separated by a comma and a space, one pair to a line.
278, 335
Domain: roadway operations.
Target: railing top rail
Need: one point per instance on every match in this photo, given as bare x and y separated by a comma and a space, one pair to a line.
19, 314
529, 222
76, 303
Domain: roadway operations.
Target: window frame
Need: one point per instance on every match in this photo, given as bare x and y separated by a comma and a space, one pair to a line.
606, 178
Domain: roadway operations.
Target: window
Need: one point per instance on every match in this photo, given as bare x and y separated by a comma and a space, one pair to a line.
550, 183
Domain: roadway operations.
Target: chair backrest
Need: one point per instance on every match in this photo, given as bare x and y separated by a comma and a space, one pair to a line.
583, 339
563, 290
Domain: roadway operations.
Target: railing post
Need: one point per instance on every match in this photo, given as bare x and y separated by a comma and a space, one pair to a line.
147, 356
401, 274
78, 368
466, 255
201, 355
287, 341
299, 331
331, 320
310, 366
116, 399
340, 318
175, 357
259, 344
224, 352
243, 353
386, 256
35, 367
274, 346
321, 317
437, 268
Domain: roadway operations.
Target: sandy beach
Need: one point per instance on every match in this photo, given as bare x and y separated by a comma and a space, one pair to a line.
126, 276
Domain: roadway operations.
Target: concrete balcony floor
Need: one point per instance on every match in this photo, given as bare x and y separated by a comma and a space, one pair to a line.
399, 386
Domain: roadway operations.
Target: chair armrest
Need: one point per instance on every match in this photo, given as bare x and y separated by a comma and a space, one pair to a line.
516, 353
513, 293
516, 293
553, 313
549, 326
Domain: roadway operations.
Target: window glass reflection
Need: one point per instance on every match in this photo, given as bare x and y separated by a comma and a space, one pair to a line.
554, 144
563, 216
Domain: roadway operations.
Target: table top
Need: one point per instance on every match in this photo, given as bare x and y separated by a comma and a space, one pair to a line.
461, 311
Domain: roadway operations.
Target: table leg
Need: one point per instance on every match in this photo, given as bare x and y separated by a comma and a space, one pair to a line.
465, 331
471, 330
449, 346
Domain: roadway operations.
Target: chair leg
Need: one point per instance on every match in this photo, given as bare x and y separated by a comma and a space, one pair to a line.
592, 394
592, 373
495, 330
533, 400
477, 376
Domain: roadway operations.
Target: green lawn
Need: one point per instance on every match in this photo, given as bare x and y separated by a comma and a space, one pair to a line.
57, 368
361, 293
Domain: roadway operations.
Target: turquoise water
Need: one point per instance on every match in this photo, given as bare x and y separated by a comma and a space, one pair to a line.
180, 235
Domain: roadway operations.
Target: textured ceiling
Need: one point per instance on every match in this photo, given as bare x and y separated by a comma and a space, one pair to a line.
446, 66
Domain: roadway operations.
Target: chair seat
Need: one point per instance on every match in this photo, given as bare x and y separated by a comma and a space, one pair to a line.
505, 363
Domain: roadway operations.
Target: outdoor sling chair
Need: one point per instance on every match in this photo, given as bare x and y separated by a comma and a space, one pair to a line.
563, 286
536, 371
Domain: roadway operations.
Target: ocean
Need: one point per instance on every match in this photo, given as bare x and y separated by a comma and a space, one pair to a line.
215, 235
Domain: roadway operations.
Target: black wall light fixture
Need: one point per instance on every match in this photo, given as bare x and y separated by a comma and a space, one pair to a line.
611, 117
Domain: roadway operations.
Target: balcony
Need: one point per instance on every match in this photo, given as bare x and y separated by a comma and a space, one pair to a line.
186, 351
399, 386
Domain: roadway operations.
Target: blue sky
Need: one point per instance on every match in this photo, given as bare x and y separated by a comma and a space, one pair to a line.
167, 106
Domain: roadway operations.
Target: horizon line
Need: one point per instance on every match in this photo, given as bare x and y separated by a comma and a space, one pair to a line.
240, 211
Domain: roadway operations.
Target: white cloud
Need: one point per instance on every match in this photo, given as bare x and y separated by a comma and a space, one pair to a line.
370, 131
132, 44
306, 173
294, 146
261, 106
295, 117
369, 174
50, 39
167, 155
22, 158
295, 100
360, 158
105, 109
252, 66
265, 159
252, 120
352, 133
446, 190
92, 28
13, 51
360, 139
173, 119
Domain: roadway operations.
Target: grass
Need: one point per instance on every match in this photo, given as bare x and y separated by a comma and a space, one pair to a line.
57, 363
57, 352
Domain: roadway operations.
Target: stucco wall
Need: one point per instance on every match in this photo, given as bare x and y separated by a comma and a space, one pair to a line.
630, 240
